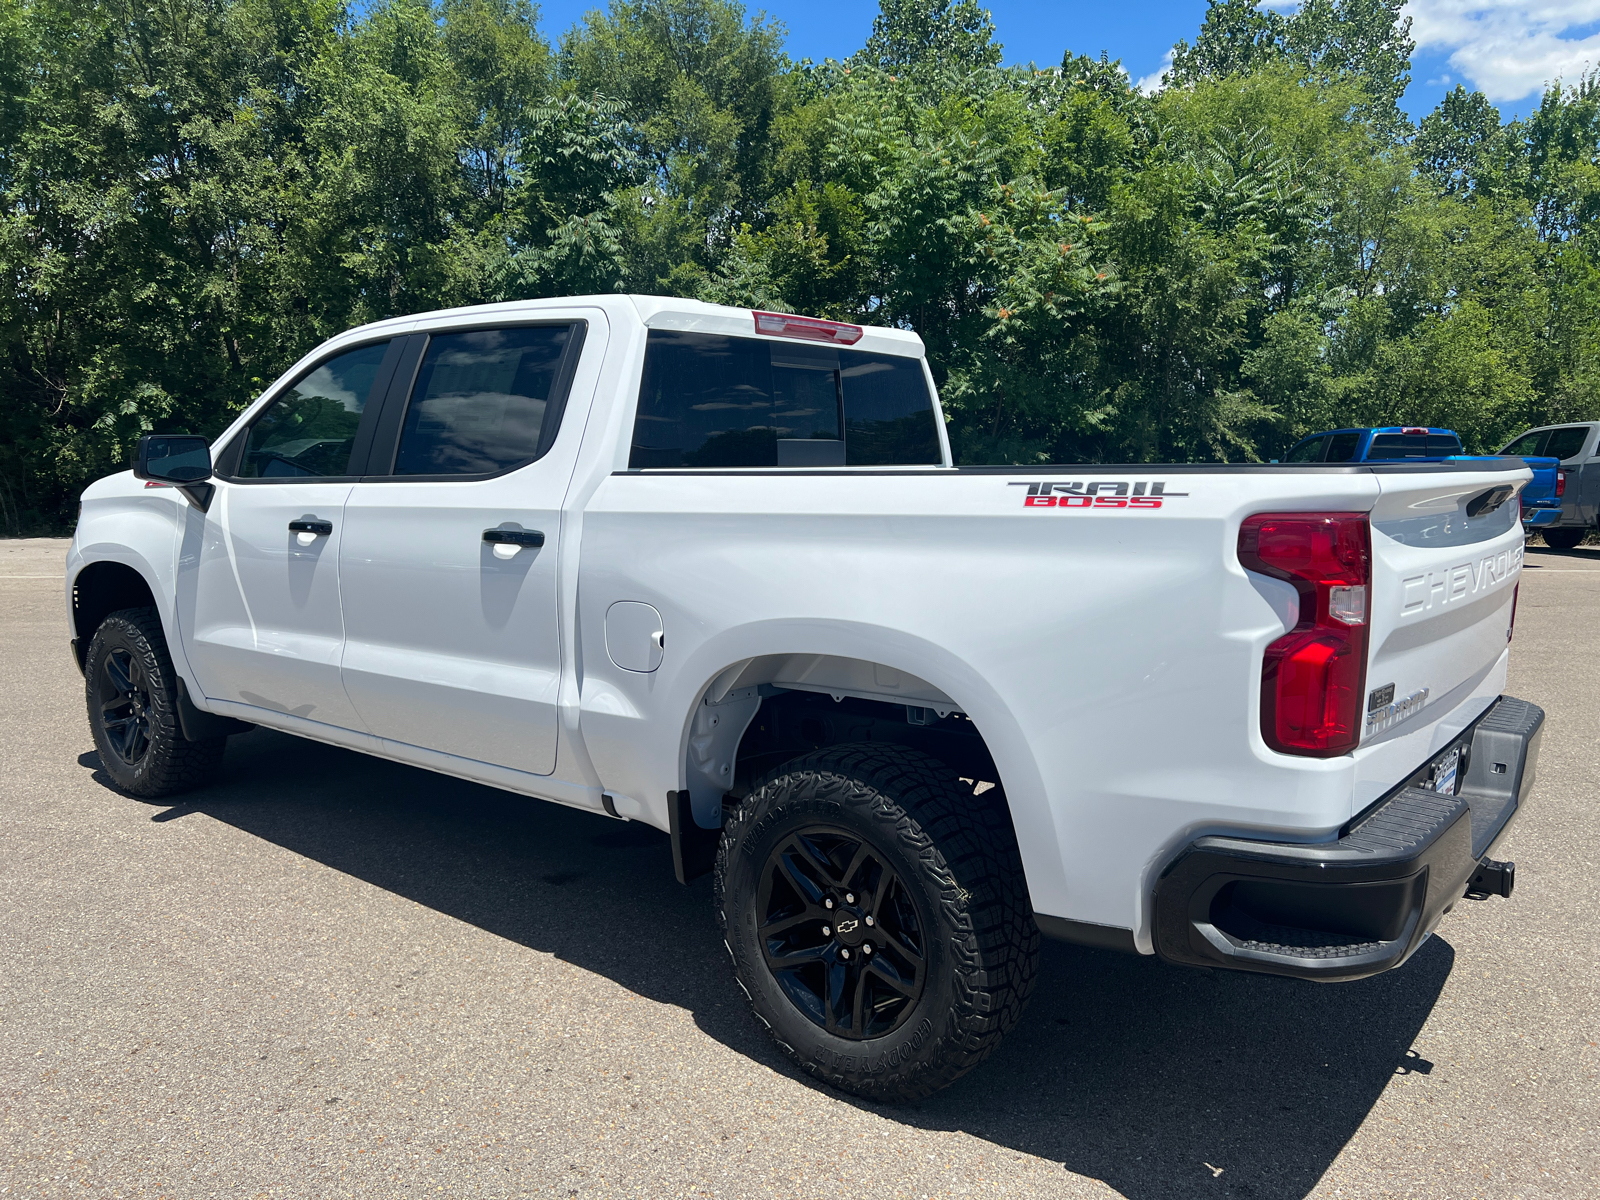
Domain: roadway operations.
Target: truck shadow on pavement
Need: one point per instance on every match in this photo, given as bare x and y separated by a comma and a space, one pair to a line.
1161, 1081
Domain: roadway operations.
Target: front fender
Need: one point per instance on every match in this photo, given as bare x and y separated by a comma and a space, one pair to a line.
125, 522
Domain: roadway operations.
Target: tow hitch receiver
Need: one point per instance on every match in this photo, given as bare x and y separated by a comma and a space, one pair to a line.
1492, 879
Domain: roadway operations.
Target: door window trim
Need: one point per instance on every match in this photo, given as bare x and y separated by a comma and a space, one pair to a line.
389, 424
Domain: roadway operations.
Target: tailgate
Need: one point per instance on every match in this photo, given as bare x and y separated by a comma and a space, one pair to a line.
1542, 487
1446, 555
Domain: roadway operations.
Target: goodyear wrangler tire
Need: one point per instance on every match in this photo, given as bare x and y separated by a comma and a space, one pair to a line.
877, 917
132, 694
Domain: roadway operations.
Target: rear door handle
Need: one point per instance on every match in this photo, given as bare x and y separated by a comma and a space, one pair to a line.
320, 528
514, 537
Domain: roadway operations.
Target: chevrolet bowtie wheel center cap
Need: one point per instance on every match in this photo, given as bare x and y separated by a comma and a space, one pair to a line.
850, 927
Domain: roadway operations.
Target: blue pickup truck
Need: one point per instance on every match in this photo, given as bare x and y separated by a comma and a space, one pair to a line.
1541, 499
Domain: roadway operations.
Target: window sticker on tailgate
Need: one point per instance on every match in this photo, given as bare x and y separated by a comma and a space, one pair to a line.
1102, 495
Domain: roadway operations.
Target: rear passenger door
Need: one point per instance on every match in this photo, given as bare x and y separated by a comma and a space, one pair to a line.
448, 567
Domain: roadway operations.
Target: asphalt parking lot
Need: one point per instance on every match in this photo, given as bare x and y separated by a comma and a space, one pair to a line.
330, 975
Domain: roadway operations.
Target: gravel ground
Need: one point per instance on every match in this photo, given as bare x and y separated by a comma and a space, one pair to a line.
330, 975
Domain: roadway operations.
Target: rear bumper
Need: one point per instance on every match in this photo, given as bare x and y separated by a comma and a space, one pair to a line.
1538, 518
1364, 903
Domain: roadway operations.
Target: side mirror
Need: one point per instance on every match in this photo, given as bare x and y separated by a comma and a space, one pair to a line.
173, 458
179, 459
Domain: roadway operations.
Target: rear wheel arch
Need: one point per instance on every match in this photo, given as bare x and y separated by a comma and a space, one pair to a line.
746, 721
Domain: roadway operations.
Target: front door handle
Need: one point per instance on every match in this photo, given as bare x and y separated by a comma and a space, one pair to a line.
513, 537
319, 528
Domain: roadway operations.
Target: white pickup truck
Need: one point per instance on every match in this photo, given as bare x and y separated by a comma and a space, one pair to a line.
712, 569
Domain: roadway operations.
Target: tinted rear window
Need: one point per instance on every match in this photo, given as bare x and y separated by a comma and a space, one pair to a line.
710, 400
1414, 445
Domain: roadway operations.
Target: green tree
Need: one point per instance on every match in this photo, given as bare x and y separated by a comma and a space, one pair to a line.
1236, 38
949, 34
195, 194
1455, 138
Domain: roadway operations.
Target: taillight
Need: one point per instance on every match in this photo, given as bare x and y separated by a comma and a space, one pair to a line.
810, 328
1561, 484
1313, 677
1512, 628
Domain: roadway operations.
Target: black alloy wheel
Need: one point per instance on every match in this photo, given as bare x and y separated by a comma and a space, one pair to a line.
841, 934
877, 917
132, 694
125, 706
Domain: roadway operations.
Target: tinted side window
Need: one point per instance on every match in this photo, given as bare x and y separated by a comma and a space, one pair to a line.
1529, 445
1309, 450
1567, 442
710, 400
482, 401
1342, 447
307, 432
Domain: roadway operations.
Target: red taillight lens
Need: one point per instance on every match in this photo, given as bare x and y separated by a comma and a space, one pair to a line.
809, 328
1512, 627
1561, 484
1314, 676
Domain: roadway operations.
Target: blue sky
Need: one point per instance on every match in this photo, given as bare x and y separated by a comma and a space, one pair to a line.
1508, 48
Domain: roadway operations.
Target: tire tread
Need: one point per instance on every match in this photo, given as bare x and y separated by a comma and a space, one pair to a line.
967, 843
173, 763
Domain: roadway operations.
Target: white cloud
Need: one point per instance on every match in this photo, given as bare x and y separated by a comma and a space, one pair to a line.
1151, 84
1510, 48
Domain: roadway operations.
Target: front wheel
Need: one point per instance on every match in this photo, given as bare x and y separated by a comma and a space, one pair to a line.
1563, 538
133, 710
877, 918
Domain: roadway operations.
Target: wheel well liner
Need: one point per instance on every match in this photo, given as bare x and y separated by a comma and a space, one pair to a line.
99, 590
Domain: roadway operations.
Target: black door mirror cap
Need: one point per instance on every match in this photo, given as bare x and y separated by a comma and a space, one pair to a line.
173, 458
155, 461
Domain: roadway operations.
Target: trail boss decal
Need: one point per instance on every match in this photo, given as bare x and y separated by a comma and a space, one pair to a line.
1100, 494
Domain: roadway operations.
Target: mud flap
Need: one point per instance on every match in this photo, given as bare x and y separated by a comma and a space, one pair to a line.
694, 850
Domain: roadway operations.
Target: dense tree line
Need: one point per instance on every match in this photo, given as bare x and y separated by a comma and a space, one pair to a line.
198, 191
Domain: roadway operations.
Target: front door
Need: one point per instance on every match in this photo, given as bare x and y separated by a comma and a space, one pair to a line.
448, 564
258, 582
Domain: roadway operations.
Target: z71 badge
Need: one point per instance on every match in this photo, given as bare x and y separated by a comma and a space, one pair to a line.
1099, 494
